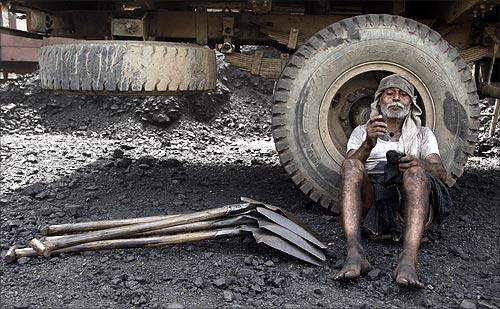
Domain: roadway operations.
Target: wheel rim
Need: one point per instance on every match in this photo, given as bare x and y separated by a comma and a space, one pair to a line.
334, 112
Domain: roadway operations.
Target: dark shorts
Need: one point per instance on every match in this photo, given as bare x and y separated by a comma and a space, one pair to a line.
384, 219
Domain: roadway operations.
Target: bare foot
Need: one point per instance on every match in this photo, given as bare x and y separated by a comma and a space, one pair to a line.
405, 273
355, 265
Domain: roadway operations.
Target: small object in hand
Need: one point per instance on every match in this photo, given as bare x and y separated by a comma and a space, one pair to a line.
391, 134
392, 174
393, 156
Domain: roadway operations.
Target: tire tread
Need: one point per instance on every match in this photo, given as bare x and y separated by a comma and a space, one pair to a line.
115, 67
283, 102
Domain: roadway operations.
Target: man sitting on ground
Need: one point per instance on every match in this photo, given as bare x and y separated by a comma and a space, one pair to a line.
401, 208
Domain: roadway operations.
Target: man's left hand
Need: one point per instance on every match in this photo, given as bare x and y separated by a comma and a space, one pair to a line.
409, 161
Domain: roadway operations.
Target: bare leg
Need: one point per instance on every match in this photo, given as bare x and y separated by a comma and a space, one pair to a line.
416, 186
356, 198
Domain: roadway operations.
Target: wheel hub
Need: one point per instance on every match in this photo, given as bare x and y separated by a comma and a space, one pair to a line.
356, 110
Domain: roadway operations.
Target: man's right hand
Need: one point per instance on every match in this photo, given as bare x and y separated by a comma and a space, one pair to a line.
376, 128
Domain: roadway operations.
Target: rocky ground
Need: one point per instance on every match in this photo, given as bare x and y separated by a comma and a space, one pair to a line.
74, 158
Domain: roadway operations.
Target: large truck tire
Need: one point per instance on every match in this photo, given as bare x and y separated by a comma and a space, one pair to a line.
127, 67
325, 90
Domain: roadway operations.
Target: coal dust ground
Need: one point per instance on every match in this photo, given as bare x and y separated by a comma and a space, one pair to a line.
67, 158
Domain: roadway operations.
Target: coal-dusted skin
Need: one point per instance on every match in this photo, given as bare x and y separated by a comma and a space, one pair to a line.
358, 193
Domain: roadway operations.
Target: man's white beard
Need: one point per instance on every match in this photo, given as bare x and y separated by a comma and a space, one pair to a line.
395, 114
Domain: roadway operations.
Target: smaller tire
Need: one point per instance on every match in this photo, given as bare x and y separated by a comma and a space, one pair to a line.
127, 67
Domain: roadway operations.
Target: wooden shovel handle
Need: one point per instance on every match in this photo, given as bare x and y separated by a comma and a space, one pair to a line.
79, 227
127, 230
154, 241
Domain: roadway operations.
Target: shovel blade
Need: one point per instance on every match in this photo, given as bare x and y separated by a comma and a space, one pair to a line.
278, 243
292, 237
290, 225
286, 234
285, 213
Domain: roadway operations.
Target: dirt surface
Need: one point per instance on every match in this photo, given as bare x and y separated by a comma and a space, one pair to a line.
74, 158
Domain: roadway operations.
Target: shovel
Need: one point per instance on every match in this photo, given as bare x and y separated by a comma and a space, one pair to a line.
261, 236
281, 231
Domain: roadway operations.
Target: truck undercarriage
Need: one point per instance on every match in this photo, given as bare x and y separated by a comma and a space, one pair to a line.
333, 54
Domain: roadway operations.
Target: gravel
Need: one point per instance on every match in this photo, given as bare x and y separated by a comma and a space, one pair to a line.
465, 304
68, 158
